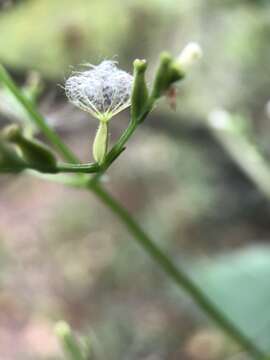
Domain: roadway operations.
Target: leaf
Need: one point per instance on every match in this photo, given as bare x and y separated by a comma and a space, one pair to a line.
239, 283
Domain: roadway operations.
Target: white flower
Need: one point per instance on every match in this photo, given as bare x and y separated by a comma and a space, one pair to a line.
189, 55
102, 90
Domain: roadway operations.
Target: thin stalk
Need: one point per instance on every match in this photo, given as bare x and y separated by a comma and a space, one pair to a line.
164, 262
177, 275
119, 147
59, 168
87, 168
36, 117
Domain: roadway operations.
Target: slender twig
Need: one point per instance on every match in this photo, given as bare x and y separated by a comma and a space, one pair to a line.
174, 273
177, 275
119, 147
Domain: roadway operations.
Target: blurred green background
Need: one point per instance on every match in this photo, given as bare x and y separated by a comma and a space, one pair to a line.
64, 256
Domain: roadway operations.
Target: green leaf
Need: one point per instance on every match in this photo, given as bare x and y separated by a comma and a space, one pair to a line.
240, 284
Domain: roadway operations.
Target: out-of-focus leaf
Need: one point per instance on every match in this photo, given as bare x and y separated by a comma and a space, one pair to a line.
240, 284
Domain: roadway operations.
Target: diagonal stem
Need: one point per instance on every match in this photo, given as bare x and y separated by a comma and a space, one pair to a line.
162, 259
179, 277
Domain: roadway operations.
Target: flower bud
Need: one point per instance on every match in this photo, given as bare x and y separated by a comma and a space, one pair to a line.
162, 79
139, 97
62, 329
68, 341
10, 161
189, 55
100, 144
34, 152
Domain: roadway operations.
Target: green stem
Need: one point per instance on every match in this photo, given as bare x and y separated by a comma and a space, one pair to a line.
59, 168
119, 147
36, 117
175, 274
87, 168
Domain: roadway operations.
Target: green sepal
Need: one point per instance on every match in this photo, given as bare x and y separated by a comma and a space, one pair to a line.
100, 144
34, 152
175, 73
10, 161
167, 73
139, 96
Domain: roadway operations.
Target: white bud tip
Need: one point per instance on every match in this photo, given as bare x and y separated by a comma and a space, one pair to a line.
189, 55
62, 329
219, 119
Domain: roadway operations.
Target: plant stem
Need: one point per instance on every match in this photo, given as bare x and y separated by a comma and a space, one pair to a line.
175, 274
59, 168
36, 116
78, 168
163, 260
119, 147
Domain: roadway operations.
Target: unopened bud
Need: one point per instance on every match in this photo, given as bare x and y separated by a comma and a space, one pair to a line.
62, 329
139, 95
162, 79
100, 144
68, 341
10, 161
34, 152
189, 55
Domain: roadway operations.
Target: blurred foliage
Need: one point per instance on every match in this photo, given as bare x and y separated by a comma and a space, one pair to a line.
239, 284
64, 256
63, 33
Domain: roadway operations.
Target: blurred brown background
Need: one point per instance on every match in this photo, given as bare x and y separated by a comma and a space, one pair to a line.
64, 256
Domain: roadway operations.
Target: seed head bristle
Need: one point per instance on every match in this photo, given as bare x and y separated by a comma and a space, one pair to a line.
103, 90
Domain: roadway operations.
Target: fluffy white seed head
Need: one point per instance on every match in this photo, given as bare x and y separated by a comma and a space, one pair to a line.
189, 55
103, 90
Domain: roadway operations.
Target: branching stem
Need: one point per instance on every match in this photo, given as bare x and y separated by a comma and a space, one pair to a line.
162, 259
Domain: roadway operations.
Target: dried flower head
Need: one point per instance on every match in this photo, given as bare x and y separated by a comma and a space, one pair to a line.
103, 90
